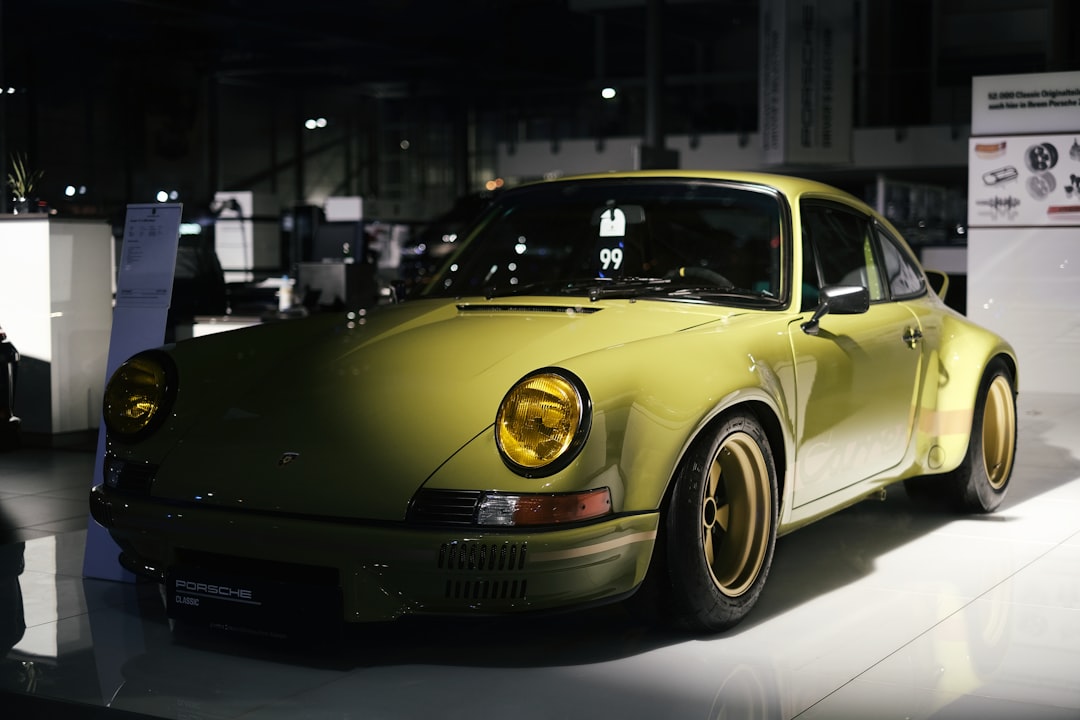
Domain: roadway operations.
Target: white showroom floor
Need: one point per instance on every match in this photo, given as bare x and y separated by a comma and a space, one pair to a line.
882, 611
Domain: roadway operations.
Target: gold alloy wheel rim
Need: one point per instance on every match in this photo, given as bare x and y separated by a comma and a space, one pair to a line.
735, 514
999, 432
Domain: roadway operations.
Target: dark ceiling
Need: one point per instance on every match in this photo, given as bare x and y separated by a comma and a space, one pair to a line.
373, 46
86, 71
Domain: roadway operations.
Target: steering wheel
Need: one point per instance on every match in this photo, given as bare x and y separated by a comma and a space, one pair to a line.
703, 273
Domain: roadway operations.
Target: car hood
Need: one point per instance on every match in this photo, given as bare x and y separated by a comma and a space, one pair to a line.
348, 418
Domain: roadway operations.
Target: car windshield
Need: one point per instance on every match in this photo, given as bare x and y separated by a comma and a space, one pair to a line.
671, 239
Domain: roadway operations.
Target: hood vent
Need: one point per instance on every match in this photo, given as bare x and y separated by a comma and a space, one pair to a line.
504, 308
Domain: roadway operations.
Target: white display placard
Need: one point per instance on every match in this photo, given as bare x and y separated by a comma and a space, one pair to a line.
144, 292
1024, 180
1023, 213
148, 258
1038, 102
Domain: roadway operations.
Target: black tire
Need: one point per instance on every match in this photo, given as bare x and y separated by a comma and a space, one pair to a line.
721, 526
979, 483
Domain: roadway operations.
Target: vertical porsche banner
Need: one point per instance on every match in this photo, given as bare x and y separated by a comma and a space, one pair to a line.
806, 81
144, 283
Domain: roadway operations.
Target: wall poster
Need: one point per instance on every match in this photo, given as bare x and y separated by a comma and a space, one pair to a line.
1024, 180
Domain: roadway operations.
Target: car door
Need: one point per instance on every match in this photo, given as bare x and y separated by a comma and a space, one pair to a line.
857, 376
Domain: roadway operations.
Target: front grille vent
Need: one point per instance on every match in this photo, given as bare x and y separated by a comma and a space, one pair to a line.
483, 557
444, 507
485, 590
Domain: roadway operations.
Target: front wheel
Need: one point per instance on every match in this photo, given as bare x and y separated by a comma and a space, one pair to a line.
721, 526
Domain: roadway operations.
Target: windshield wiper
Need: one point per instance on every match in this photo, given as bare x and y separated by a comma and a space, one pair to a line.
706, 292
631, 287
598, 288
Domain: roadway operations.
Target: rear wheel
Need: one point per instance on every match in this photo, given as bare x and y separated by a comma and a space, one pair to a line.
721, 526
980, 482
983, 476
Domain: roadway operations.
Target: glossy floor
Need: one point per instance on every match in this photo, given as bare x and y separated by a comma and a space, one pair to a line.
884, 611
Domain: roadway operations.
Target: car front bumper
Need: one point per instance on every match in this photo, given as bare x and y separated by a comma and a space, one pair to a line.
385, 570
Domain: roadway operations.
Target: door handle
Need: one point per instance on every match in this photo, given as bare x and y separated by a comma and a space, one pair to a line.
912, 336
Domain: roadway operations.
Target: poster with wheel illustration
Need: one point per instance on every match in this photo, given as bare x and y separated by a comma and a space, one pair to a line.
1024, 220
1024, 180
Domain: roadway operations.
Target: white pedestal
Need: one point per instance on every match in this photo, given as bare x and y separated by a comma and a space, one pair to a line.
56, 305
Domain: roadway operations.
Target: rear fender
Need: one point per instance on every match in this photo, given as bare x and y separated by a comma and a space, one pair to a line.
948, 400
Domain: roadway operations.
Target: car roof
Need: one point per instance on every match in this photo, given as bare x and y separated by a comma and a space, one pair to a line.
789, 184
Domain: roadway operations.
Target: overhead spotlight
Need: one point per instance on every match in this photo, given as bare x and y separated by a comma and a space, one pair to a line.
608, 93
404, 144
162, 196
315, 123
69, 191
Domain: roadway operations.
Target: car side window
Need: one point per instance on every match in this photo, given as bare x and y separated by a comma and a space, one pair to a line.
905, 279
811, 283
844, 247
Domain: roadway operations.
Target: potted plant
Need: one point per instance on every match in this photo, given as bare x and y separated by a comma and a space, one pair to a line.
22, 182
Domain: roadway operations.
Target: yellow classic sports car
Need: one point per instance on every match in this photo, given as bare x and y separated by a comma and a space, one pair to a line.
614, 382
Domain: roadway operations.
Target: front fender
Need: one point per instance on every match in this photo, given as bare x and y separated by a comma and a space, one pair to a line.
650, 401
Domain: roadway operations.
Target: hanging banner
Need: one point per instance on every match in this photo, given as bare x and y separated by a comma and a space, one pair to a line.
806, 81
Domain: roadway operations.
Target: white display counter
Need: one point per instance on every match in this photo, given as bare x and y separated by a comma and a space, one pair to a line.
56, 306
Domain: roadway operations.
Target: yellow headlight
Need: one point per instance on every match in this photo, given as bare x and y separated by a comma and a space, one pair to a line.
137, 394
540, 419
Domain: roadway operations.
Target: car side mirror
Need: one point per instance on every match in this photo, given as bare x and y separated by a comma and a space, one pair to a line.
838, 300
